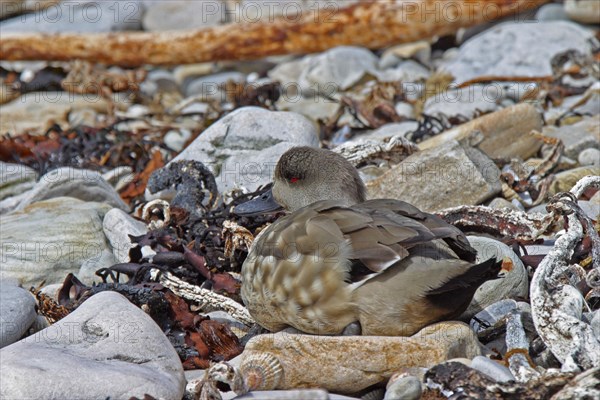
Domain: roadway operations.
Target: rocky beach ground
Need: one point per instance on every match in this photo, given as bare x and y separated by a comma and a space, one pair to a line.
120, 254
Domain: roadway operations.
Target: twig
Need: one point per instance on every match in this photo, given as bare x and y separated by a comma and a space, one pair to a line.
207, 300
517, 346
500, 223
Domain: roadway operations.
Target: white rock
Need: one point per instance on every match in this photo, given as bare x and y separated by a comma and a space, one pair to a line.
243, 147
117, 226
405, 388
50, 238
517, 50
83, 16
17, 312
107, 348
176, 139
513, 284
78, 183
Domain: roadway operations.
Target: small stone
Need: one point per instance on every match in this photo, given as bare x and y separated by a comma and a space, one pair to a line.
348, 364
87, 272
17, 312
492, 369
500, 203
492, 314
405, 110
584, 11
315, 107
404, 388
105, 340
551, 12
589, 157
457, 174
177, 14
51, 238
513, 283
117, 226
77, 183
243, 147
176, 139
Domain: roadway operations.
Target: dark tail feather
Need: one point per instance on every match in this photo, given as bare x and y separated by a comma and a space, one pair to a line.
459, 291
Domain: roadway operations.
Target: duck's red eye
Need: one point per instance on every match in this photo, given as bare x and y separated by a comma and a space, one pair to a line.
293, 180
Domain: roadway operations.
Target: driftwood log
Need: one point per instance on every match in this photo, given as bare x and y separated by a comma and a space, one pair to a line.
370, 23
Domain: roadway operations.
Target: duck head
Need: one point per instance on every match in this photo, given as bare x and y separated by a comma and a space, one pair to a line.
305, 175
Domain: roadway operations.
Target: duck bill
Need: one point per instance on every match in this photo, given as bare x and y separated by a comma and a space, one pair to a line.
264, 204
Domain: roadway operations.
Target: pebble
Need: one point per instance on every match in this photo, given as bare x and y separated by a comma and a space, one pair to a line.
513, 283
407, 71
444, 170
551, 12
87, 272
514, 49
589, 157
117, 226
106, 348
81, 184
176, 139
49, 239
243, 147
491, 368
17, 312
405, 387
500, 203
348, 364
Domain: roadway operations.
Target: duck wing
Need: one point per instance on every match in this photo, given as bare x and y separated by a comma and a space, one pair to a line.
381, 232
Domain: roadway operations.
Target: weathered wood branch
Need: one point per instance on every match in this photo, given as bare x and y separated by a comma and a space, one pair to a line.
370, 23
556, 306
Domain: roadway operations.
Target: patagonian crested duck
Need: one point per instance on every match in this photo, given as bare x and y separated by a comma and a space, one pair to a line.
338, 259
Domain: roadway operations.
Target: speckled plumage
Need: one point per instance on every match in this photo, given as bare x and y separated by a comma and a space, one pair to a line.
382, 263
